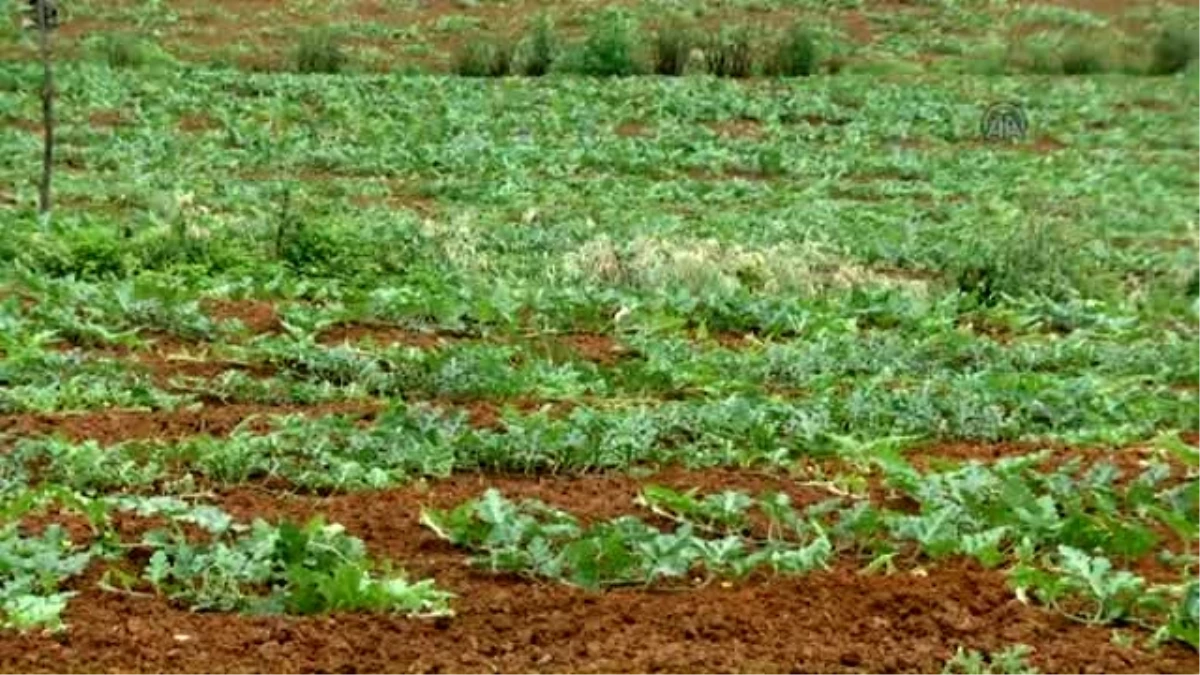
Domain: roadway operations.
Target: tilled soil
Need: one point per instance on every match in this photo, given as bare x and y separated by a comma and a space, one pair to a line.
258, 316
595, 347
113, 426
835, 621
1130, 461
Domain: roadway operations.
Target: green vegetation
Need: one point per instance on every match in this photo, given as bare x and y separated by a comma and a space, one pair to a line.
1174, 50
1082, 57
540, 48
484, 59
258, 568
305, 570
124, 50
610, 49
726, 315
673, 45
1010, 514
795, 55
730, 53
1011, 660
319, 51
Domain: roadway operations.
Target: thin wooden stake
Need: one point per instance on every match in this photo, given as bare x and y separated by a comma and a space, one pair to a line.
47, 109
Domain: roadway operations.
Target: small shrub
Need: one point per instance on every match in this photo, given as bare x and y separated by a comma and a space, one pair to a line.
122, 50
1033, 57
90, 253
1031, 258
730, 53
795, 55
610, 47
539, 49
484, 59
119, 51
306, 249
1080, 57
319, 51
770, 162
672, 48
1192, 287
1174, 49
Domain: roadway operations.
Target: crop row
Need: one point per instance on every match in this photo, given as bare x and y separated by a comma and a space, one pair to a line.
1056, 533
404, 442
729, 196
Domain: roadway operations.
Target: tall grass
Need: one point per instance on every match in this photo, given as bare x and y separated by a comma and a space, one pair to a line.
319, 51
794, 55
730, 53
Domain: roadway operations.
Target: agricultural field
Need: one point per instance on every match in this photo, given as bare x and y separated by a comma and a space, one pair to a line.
400, 336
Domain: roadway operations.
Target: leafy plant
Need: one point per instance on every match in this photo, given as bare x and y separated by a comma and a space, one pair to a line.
1085, 587
1183, 622
1031, 257
303, 570
794, 54
319, 51
539, 50
32, 572
1012, 660
484, 58
770, 162
532, 538
1174, 49
610, 47
125, 50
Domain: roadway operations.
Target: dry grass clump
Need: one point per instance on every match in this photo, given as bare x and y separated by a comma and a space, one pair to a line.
712, 266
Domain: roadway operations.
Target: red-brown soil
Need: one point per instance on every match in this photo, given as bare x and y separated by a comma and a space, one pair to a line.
739, 128
165, 368
632, 129
258, 316
267, 27
966, 451
1040, 145
1156, 105
730, 339
1045, 144
834, 621
595, 347
1131, 461
858, 26
980, 325
815, 120
113, 426
602, 349
166, 356
383, 336
22, 124
108, 118
193, 123
387, 520
487, 414
398, 201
